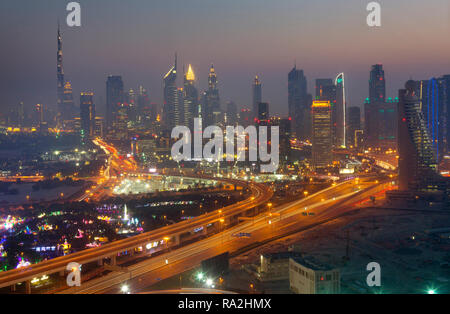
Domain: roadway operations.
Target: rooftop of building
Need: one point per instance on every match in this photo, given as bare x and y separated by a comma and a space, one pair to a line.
311, 263
281, 255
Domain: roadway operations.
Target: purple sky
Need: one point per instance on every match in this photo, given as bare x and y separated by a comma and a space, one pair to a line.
138, 38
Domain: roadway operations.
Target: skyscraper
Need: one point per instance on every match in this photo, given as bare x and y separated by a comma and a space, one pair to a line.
322, 134
68, 102
377, 84
326, 90
446, 80
380, 113
432, 94
190, 99
171, 110
341, 112
211, 108
114, 99
87, 114
417, 161
60, 80
299, 104
256, 96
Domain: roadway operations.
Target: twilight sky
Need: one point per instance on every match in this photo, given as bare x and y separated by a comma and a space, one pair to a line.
138, 38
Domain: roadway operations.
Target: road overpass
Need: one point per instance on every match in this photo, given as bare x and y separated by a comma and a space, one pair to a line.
260, 195
326, 205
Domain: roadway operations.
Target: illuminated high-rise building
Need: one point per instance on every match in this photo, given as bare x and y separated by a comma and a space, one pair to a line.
190, 99
211, 104
256, 96
172, 113
377, 84
299, 102
326, 90
446, 81
68, 102
339, 124
114, 99
87, 114
60, 81
322, 141
432, 95
417, 160
380, 113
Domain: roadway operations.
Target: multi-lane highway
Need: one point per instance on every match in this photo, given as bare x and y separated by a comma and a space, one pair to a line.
260, 195
313, 210
319, 208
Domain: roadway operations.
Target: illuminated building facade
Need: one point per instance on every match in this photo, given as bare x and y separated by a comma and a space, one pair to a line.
190, 99
87, 114
68, 102
380, 113
339, 124
377, 84
60, 80
433, 103
211, 108
172, 113
322, 134
417, 161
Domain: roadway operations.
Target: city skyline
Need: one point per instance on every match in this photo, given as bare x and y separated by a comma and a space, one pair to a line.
234, 147
141, 54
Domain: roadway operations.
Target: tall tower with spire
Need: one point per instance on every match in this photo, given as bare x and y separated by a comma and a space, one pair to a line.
190, 98
211, 109
172, 112
60, 79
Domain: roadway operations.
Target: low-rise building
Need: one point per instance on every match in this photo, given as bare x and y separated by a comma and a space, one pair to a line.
307, 276
275, 266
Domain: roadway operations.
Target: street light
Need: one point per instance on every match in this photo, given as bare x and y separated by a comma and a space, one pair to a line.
200, 276
125, 289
